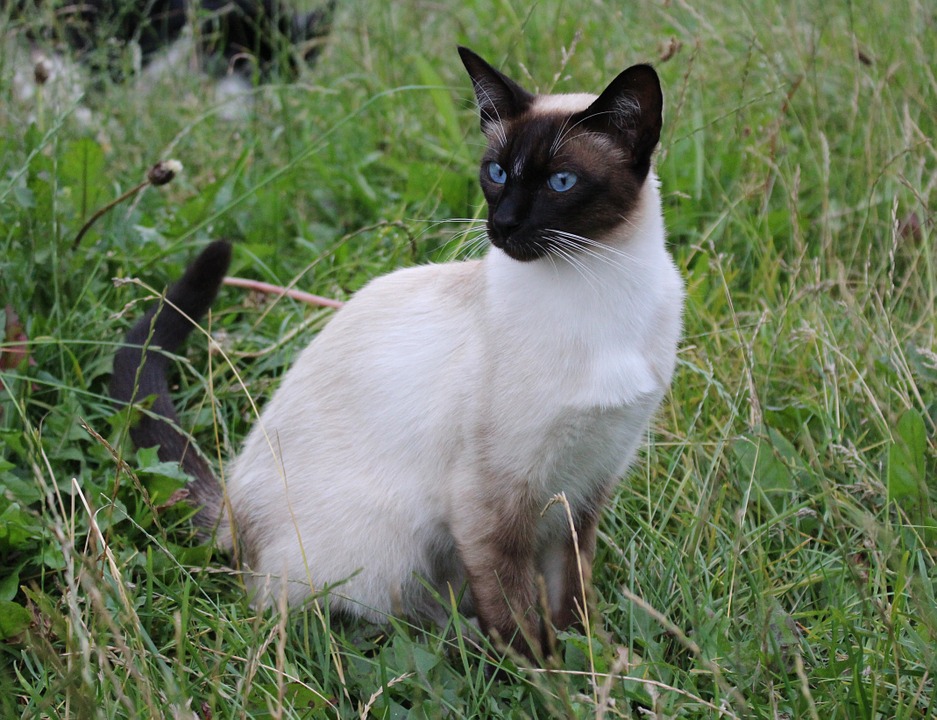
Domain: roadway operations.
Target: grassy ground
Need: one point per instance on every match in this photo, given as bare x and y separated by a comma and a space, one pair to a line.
772, 556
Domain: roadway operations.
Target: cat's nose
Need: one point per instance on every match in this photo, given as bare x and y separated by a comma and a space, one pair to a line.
505, 226
507, 218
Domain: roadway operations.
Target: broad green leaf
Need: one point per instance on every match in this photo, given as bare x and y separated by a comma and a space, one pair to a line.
17, 528
14, 619
906, 458
301, 696
81, 172
162, 479
424, 660
10, 584
773, 464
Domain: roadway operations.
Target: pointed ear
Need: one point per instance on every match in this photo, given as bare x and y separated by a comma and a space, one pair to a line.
630, 109
499, 98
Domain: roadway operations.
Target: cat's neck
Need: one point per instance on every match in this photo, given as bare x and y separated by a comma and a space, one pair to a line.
622, 264
573, 323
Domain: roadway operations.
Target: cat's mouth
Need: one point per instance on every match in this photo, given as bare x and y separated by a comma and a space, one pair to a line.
523, 247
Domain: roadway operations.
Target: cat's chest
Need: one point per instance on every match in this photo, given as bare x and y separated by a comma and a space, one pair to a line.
595, 325
561, 375
575, 374
576, 356
577, 393
578, 387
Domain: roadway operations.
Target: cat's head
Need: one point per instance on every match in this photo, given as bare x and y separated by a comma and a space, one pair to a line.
562, 172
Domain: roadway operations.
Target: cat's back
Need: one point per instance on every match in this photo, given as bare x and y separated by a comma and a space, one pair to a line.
430, 293
381, 376
364, 420
399, 321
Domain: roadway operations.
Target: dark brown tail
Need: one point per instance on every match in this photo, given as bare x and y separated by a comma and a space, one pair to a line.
141, 365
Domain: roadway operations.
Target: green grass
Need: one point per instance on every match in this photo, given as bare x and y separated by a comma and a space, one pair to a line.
771, 556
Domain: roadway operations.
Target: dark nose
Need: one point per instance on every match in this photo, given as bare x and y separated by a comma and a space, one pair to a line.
508, 216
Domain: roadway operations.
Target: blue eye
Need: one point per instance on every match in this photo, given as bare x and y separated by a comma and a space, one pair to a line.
497, 173
562, 181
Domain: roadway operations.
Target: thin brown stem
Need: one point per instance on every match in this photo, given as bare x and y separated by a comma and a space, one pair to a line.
101, 211
263, 287
161, 173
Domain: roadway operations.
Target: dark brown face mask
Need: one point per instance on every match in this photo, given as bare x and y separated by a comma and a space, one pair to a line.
557, 179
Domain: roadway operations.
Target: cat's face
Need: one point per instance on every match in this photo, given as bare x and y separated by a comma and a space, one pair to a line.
562, 172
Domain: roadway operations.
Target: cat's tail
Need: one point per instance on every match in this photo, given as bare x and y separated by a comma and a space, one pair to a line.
142, 363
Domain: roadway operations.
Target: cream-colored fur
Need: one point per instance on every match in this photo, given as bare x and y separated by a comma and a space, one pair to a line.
440, 392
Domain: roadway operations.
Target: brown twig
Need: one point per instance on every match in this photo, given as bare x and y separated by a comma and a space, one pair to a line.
300, 295
103, 210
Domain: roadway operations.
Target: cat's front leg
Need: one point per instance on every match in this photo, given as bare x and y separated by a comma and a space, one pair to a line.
573, 583
497, 551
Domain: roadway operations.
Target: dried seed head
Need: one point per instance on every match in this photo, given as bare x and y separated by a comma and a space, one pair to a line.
42, 70
164, 171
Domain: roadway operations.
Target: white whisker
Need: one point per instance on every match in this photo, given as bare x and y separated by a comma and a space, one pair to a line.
564, 135
471, 236
559, 137
499, 124
569, 255
470, 247
455, 221
569, 251
429, 226
607, 253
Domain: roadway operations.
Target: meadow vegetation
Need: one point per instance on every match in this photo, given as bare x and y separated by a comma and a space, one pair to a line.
773, 553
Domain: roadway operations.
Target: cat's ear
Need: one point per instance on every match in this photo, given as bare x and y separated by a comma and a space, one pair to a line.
499, 98
630, 109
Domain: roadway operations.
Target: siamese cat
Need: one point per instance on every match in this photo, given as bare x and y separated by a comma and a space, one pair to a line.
416, 443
